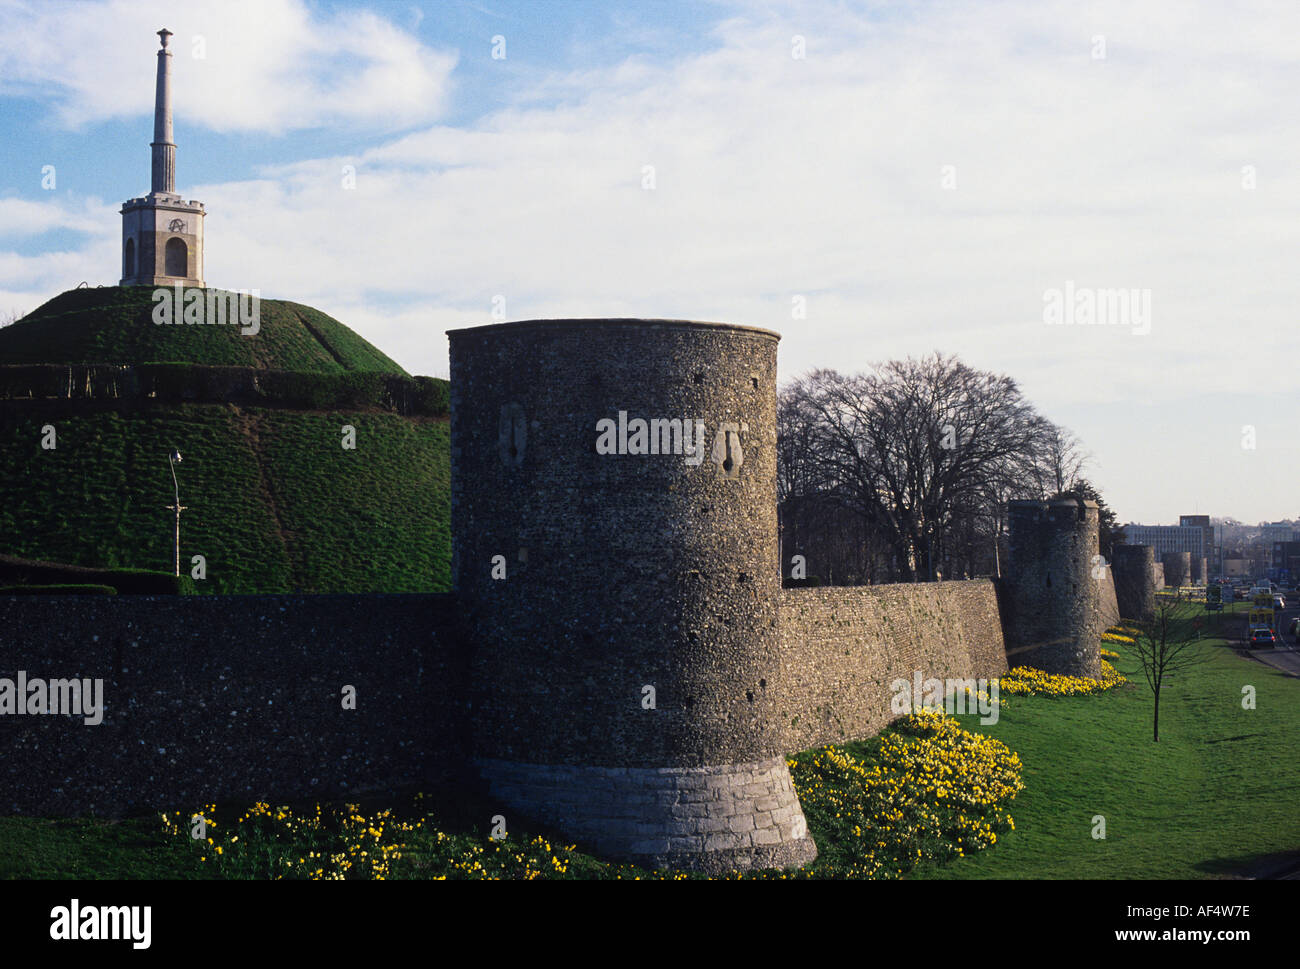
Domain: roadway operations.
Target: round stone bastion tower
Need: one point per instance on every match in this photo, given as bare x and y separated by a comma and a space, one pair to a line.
614, 552
1052, 614
1178, 569
1135, 585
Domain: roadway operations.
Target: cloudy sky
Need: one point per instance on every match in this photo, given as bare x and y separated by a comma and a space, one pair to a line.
872, 180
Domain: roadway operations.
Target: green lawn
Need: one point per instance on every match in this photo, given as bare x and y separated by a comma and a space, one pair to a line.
87, 850
1217, 792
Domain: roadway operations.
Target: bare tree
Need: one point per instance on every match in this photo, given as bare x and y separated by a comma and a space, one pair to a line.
1164, 647
1063, 458
915, 447
838, 545
10, 316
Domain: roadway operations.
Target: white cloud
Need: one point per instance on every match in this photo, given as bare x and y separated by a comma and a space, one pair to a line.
266, 65
29, 278
19, 217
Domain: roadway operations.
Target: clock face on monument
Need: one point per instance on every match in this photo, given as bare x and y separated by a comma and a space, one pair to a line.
176, 225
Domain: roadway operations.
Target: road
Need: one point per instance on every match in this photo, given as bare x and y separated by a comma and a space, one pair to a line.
1285, 656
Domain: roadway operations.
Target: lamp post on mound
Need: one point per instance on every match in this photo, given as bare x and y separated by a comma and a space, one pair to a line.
173, 459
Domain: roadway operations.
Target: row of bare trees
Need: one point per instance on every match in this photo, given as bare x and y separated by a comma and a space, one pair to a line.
902, 473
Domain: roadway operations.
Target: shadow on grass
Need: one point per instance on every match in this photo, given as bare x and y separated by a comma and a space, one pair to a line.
1277, 865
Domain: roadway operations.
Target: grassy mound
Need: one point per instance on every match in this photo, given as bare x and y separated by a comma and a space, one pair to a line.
114, 324
275, 503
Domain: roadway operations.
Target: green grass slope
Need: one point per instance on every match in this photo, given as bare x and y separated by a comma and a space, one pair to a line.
275, 503
114, 324
1214, 796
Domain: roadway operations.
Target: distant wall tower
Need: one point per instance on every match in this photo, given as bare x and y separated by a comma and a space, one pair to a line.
1178, 569
162, 234
1135, 585
1051, 595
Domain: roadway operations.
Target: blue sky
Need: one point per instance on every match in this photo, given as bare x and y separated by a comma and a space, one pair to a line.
912, 177
108, 156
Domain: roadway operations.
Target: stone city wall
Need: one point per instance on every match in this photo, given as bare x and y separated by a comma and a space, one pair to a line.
842, 648
208, 698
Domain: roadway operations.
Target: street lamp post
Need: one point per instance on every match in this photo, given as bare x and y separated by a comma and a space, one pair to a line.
173, 459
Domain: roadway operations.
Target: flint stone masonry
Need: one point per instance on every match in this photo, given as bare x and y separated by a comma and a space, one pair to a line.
1198, 565
1051, 602
1178, 569
1135, 588
843, 648
208, 698
625, 570
1107, 598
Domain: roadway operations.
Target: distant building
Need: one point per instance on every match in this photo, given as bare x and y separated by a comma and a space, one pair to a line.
1236, 568
1277, 532
1285, 560
1213, 551
1260, 556
1168, 538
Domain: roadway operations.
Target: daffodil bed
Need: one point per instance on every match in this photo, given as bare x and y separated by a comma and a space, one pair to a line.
1027, 681
931, 792
928, 791
343, 843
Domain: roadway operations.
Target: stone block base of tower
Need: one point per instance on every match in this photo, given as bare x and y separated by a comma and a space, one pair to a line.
712, 819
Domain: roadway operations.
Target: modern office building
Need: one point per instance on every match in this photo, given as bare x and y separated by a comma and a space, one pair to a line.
1168, 538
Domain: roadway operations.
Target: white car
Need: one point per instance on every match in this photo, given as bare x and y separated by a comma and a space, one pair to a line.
1279, 603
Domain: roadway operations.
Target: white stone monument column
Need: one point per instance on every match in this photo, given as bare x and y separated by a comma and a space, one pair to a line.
164, 149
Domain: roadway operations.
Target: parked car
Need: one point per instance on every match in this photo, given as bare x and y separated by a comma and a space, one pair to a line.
1279, 603
1295, 628
1262, 636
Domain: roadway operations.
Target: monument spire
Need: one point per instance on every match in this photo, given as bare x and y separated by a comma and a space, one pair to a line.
164, 149
162, 234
